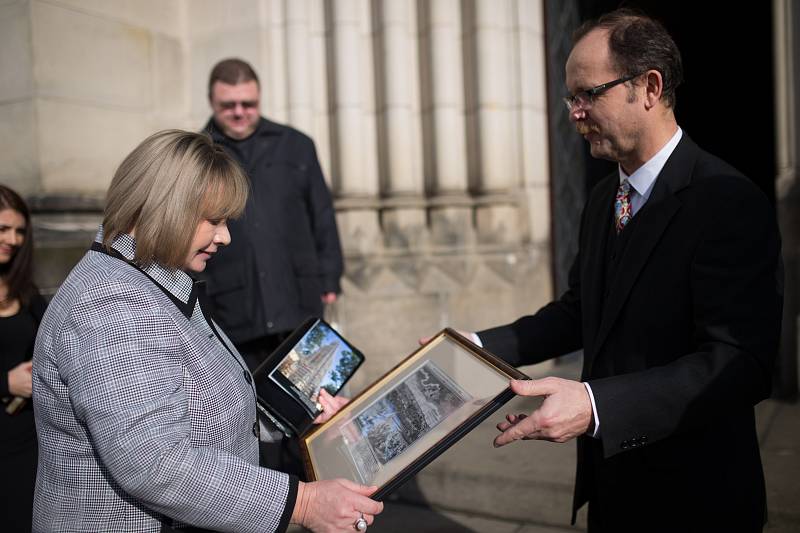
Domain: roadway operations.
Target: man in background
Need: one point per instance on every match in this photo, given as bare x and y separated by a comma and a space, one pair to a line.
285, 260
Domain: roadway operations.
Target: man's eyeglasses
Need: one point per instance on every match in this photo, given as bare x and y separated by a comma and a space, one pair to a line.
246, 104
585, 99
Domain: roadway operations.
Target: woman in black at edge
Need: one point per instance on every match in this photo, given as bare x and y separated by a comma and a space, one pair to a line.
21, 310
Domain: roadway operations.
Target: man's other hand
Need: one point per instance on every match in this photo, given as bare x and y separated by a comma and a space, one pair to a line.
564, 414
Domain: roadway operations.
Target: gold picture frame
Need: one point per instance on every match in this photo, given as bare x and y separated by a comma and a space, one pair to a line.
411, 415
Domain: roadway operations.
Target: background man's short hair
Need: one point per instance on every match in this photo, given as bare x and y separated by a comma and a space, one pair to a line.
231, 71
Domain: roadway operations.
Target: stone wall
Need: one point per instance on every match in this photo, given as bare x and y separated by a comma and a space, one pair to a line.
429, 118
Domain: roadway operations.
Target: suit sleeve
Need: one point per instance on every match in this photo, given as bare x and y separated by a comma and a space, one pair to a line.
125, 384
323, 223
736, 295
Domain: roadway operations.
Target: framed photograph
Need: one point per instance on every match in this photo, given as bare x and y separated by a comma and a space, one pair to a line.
313, 357
411, 415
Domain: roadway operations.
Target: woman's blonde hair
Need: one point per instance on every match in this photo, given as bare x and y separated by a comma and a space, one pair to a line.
169, 183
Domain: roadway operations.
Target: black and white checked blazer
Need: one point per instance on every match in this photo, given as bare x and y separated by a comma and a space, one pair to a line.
144, 416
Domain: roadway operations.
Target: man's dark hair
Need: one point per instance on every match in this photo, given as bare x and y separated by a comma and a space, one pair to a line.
231, 71
637, 44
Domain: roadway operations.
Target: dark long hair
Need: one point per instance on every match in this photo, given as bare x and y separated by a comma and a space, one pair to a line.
18, 273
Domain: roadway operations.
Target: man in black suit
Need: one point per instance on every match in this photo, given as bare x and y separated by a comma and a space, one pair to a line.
675, 298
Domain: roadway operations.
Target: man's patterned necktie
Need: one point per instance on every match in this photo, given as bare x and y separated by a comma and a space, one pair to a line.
622, 206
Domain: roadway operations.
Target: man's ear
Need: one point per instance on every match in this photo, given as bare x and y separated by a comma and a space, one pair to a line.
654, 88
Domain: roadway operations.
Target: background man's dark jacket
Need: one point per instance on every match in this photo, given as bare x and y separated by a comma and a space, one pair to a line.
284, 250
679, 319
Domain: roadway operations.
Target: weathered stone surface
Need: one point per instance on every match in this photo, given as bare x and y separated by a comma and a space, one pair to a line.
16, 81
90, 59
83, 144
162, 16
19, 165
404, 228
497, 224
451, 226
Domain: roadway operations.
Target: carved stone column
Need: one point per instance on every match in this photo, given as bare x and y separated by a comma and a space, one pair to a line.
354, 144
533, 119
19, 159
273, 69
787, 185
400, 127
300, 65
444, 112
495, 118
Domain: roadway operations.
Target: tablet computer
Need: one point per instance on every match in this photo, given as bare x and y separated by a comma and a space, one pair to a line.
312, 357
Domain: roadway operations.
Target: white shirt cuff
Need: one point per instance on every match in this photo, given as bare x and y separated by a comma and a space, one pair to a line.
596, 431
476, 339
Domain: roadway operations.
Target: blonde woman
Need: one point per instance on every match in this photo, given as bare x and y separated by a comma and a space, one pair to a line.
146, 412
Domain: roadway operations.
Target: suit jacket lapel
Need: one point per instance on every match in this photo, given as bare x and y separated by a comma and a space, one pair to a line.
600, 217
651, 222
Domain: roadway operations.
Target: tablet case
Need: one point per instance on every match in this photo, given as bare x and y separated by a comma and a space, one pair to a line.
296, 370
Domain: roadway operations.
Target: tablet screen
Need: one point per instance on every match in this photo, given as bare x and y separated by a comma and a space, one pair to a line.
321, 358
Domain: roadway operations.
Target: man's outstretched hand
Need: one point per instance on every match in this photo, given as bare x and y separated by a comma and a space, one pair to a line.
565, 413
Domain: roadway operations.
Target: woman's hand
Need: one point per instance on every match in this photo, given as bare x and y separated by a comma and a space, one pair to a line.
334, 505
330, 405
20, 379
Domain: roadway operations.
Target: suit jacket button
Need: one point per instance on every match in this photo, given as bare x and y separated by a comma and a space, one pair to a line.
255, 429
624, 445
643, 438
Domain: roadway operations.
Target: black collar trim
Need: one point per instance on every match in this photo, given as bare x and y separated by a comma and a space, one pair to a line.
185, 307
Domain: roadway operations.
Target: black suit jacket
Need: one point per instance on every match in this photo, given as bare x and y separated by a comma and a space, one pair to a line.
285, 249
679, 330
